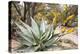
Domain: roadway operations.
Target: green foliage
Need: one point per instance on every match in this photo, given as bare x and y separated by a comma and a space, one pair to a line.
37, 37
34, 37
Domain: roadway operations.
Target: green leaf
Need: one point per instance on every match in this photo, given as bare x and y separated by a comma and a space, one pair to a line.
52, 40
30, 30
23, 30
35, 27
30, 40
43, 26
26, 26
47, 34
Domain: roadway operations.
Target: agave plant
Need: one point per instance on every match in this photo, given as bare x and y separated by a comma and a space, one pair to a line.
36, 37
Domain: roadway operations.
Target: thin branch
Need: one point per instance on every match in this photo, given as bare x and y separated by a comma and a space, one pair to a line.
18, 10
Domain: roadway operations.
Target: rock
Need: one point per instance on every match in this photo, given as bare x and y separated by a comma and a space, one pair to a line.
14, 44
72, 37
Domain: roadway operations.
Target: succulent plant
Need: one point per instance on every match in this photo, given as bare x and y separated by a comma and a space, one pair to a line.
36, 37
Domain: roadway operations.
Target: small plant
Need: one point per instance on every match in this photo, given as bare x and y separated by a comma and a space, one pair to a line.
36, 37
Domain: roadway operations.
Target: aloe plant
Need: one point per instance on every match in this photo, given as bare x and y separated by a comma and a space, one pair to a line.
35, 37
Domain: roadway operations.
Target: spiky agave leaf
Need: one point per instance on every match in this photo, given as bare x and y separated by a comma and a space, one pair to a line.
23, 30
26, 40
46, 34
30, 30
35, 27
25, 34
33, 37
43, 26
